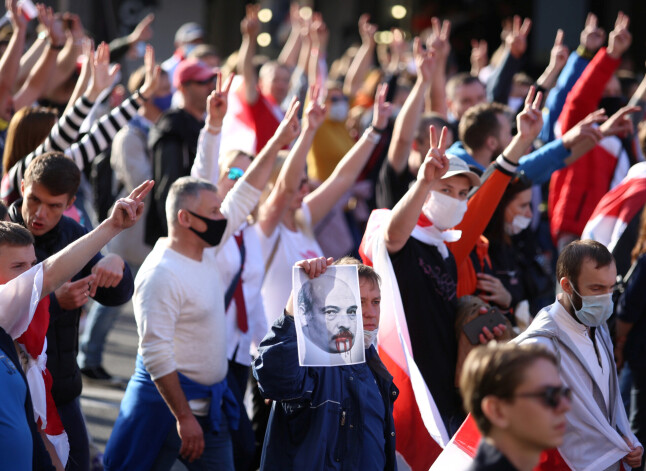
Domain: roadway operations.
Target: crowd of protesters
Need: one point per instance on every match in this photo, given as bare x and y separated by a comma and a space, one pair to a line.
465, 193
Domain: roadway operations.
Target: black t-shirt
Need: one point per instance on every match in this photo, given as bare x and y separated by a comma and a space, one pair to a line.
427, 283
392, 186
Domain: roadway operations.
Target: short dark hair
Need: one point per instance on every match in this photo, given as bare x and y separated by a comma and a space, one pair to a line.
479, 122
575, 253
496, 370
56, 172
14, 235
365, 271
463, 78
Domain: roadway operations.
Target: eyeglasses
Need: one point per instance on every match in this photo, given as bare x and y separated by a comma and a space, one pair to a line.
550, 396
234, 173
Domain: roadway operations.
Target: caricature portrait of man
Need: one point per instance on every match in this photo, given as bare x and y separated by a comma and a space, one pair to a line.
329, 310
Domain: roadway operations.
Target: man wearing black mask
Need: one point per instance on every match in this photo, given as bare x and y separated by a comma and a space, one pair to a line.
178, 401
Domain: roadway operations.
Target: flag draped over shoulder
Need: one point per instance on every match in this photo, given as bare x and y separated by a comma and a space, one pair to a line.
617, 208
420, 431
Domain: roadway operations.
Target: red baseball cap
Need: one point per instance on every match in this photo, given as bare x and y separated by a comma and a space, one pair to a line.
192, 70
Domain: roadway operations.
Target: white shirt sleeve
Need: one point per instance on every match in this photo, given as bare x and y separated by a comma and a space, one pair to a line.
19, 299
206, 163
237, 205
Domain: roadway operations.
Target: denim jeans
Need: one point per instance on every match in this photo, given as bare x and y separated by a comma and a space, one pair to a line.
217, 455
74, 425
99, 321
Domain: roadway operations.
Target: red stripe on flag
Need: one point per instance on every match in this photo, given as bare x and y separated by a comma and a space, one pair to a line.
414, 443
467, 437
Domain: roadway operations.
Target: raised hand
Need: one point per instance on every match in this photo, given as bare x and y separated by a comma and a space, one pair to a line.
367, 30
436, 163
479, 57
102, 74
315, 112
559, 52
217, 102
620, 38
516, 40
143, 31
592, 37
127, 211
17, 17
250, 24
289, 128
382, 109
424, 61
76, 27
53, 25
151, 76
530, 121
438, 40
620, 124
319, 32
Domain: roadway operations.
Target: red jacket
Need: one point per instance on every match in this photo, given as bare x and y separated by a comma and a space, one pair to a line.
576, 189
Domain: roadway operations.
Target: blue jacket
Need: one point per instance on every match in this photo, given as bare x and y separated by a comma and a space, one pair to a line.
556, 99
538, 165
317, 422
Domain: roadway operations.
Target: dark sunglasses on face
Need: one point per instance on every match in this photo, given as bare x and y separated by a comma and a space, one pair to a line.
550, 396
203, 82
234, 173
334, 99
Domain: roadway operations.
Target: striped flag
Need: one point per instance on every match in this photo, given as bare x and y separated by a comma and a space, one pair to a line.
421, 434
617, 208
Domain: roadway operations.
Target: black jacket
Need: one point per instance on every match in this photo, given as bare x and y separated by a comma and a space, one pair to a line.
62, 334
489, 458
173, 141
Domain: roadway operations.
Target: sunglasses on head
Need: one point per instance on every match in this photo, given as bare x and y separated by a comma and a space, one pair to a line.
550, 396
234, 173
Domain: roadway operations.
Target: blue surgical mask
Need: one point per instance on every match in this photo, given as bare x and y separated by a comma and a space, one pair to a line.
595, 310
188, 48
163, 102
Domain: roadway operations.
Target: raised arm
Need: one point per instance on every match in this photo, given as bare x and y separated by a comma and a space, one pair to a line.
250, 28
558, 58
321, 200
408, 119
319, 36
66, 59
363, 60
63, 265
41, 73
499, 84
10, 60
205, 164
291, 49
406, 212
438, 43
289, 179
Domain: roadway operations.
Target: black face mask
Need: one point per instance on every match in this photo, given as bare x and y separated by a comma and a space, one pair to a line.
214, 229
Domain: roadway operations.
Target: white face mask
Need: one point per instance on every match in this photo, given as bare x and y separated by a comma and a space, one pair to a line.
338, 111
369, 337
595, 310
444, 211
518, 224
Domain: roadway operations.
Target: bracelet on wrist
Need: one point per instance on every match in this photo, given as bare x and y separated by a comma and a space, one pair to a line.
140, 95
378, 130
56, 47
213, 129
584, 53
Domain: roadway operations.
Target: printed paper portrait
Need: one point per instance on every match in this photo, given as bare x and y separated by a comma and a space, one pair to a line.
327, 312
